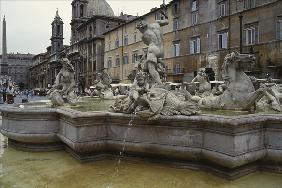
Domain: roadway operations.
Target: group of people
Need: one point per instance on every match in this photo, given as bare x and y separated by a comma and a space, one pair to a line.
7, 93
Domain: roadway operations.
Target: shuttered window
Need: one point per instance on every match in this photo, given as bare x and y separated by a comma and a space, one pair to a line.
222, 40
176, 49
251, 34
195, 45
279, 28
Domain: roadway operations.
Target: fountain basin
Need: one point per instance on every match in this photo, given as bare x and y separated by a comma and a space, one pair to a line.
229, 146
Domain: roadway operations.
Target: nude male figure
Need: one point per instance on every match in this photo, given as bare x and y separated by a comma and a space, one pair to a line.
153, 38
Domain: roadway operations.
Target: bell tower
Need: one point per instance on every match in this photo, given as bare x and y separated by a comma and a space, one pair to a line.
79, 16
57, 38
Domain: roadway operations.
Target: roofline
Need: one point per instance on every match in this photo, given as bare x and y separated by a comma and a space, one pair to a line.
95, 17
139, 17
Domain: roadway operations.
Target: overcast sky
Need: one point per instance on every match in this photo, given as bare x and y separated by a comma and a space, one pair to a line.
29, 21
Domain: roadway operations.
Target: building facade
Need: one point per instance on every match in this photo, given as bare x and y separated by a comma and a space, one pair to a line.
40, 70
90, 20
88, 56
14, 66
18, 68
45, 66
200, 33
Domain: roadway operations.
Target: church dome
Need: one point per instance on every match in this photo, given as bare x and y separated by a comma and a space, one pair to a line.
99, 7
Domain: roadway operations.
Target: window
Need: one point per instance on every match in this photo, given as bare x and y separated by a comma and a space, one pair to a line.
117, 43
58, 30
176, 49
125, 40
125, 59
177, 69
107, 25
90, 31
159, 16
117, 61
81, 10
222, 40
110, 44
135, 58
279, 28
109, 62
135, 37
249, 4
194, 18
175, 24
251, 34
194, 6
175, 8
222, 9
195, 45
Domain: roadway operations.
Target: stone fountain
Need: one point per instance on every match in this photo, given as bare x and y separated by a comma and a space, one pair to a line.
169, 126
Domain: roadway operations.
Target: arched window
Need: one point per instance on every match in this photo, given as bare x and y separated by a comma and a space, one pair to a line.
58, 30
81, 10
90, 31
73, 11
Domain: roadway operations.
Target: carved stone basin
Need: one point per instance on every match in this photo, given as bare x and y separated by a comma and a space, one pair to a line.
229, 146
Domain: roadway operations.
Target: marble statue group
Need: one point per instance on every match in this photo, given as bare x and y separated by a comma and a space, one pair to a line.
150, 95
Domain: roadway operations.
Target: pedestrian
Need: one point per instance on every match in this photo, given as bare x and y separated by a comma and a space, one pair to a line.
10, 94
1, 94
27, 93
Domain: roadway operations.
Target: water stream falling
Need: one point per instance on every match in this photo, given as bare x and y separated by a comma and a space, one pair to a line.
122, 152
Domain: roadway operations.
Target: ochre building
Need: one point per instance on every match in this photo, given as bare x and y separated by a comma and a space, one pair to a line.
200, 33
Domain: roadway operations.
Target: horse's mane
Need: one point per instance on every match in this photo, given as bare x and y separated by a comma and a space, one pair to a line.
228, 60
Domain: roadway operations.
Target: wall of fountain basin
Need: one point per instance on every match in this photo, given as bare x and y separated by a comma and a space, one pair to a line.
230, 147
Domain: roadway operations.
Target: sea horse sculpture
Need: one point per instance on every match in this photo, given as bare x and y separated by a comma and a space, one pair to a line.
240, 93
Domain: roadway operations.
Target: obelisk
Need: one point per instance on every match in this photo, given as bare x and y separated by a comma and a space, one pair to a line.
4, 61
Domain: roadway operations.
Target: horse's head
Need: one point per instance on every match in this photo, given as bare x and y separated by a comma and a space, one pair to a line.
238, 58
235, 62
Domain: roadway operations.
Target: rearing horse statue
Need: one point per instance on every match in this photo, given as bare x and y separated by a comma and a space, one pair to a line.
240, 93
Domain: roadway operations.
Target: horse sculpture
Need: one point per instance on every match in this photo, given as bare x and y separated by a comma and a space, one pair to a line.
240, 93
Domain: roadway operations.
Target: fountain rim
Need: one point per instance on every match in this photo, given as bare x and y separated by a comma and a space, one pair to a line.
74, 114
